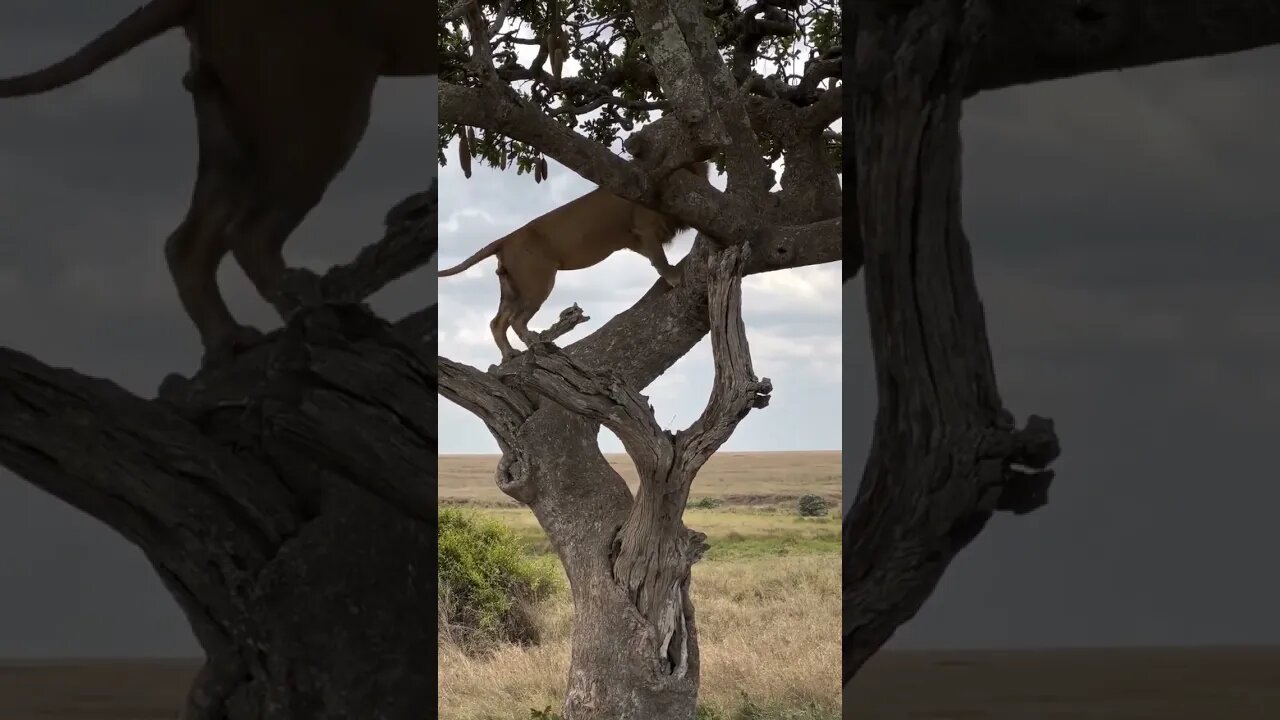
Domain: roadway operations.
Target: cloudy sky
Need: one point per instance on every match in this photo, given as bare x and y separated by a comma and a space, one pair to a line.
92, 179
1125, 235
792, 318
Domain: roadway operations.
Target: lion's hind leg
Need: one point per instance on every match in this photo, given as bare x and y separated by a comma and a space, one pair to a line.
502, 320
533, 285
197, 247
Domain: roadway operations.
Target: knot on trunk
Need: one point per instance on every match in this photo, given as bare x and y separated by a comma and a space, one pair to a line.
1022, 458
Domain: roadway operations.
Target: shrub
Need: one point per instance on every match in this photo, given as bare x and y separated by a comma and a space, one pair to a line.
812, 506
488, 582
706, 503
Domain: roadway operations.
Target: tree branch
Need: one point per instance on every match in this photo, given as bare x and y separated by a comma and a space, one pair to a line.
1034, 42
704, 208
134, 464
653, 550
503, 409
598, 397
158, 469
680, 76
638, 357
945, 454
410, 242
736, 391
689, 198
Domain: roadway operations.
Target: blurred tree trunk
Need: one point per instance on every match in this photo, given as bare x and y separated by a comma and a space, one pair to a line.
286, 498
945, 453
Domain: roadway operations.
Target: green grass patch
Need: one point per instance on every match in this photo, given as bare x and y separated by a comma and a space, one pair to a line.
733, 533
488, 580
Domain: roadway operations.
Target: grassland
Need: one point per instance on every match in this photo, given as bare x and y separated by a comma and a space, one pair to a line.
740, 478
767, 595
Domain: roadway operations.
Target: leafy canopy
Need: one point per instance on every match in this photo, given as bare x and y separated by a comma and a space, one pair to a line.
775, 48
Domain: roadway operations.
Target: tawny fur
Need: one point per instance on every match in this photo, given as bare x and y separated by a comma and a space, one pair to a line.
282, 92
576, 235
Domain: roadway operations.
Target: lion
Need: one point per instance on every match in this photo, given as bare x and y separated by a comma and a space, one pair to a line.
574, 236
282, 91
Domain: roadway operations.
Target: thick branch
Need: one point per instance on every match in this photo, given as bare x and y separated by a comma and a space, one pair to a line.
1030, 42
145, 469
679, 74
637, 356
599, 398
132, 463
945, 454
500, 407
736, 390
410, 242
653, 548
699, 204
1034, 42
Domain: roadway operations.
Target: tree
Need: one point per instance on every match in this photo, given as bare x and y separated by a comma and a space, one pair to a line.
286, 498
945, 454
743, 86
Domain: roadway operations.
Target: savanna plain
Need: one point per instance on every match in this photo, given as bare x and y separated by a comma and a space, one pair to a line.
767, 594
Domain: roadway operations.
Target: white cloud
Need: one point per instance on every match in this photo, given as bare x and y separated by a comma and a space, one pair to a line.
813, 290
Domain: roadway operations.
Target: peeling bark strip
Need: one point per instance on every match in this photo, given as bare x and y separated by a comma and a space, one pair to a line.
285, 498
945, 454
626, 558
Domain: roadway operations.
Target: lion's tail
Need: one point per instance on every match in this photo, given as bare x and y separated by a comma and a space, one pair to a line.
145, 23
484, 252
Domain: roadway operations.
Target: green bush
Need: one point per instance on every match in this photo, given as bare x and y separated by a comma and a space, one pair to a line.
706, 503
489, 582
812, 506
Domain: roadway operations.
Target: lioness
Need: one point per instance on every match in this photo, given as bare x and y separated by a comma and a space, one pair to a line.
576, 235
282, 92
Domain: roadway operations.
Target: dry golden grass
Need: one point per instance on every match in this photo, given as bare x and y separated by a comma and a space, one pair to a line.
767, 594
740, 477
766, 629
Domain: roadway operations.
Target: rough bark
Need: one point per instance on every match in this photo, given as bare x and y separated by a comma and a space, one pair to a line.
634, 643
945, 454
286, 498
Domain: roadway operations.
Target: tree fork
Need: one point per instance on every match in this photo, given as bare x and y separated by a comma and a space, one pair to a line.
634, 645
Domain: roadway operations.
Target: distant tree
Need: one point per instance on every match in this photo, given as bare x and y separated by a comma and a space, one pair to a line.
745, 85
811, 506
946, 454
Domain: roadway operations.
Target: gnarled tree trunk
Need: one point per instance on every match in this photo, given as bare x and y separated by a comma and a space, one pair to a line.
946, 455
634, 643
286, 498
